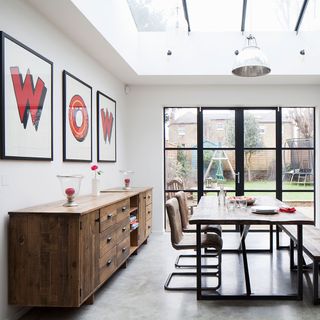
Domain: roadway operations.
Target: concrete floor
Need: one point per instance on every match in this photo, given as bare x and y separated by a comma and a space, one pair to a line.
137, 291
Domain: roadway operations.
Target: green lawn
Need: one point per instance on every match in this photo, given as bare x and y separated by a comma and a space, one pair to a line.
270, 185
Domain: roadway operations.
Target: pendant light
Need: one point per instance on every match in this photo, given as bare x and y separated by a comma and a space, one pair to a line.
251, 61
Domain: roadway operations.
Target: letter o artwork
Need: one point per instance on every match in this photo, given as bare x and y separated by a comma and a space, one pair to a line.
77, 105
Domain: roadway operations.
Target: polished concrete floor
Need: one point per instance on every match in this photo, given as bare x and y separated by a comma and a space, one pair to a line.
137, 291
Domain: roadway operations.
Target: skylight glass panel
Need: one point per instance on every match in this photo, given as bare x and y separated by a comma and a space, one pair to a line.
215, 15
153, 15
272, 15
311, 18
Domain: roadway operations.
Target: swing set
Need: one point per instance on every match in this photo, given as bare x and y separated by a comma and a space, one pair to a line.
219, 156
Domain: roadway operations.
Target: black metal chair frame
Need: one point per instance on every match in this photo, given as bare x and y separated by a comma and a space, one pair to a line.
216, 274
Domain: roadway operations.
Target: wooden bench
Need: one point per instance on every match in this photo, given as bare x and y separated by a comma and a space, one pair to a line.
311, 247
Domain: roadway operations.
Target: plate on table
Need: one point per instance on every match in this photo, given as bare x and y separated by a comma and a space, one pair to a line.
264, 209
250, 200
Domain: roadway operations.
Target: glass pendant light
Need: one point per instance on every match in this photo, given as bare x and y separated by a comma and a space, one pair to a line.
251, 61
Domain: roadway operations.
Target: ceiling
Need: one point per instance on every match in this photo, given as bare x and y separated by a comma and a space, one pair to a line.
107, 31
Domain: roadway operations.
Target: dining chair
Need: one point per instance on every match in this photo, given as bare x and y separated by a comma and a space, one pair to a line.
187, 241
188, 228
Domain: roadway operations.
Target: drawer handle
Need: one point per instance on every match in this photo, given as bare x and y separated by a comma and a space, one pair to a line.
149, 227
149, 212
110, 215
124, 209
149, 197
124, 249
144, 197
109, 239
97, 220
124, 229
109, 262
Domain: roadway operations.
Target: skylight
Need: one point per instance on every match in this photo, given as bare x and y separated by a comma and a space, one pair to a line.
311, 19
208, 15
272, 15
152, 15
227, 15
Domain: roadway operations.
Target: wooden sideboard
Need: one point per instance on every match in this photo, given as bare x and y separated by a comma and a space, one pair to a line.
59, 256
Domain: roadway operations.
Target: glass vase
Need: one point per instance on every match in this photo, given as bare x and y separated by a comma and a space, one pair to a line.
95, 185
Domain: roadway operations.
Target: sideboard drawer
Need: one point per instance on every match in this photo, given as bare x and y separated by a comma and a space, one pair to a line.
148, 227
123, 250
108, 216
107, 240
107, 264
149, 211
148, 197
123, 210
123, 230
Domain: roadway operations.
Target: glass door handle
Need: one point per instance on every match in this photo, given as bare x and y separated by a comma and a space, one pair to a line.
238, 176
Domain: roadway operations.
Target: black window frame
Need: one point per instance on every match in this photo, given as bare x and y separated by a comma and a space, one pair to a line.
239, 145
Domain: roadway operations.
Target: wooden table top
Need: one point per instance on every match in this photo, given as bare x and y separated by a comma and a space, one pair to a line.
86, 203
208, 211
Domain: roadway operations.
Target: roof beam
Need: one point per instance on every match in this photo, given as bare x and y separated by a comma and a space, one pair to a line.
244, 14
301, 14
186, 14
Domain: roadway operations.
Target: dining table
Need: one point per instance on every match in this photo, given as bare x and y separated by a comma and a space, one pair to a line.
209, 211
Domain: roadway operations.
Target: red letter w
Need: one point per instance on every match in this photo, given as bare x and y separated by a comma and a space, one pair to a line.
107, 124
29, 98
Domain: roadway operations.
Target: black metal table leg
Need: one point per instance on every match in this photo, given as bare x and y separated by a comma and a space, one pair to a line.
199, 280
292, 266
300, 261
315, 282
271, 238
245, 261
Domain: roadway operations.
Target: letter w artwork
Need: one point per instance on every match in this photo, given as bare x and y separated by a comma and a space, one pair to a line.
30, 98
107, 124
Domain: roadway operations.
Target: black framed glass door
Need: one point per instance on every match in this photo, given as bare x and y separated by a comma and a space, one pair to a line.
251, 151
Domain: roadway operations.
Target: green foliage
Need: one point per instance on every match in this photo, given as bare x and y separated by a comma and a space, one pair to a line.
252, 136
183, 167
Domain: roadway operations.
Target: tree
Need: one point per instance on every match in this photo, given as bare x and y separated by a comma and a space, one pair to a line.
303, 119
148, 19
252, 138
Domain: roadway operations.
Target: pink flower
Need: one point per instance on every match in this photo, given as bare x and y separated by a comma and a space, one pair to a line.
96, 171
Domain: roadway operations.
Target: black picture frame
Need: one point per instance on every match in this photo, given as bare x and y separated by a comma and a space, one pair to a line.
106, 128
26, 106
77, 137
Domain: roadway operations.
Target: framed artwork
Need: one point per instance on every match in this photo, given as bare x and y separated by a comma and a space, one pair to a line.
26, 85
77, 120
106, 128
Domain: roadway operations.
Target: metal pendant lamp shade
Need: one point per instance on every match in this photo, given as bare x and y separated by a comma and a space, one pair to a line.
251, 61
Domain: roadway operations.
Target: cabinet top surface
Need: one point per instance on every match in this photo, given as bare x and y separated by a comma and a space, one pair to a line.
86, 203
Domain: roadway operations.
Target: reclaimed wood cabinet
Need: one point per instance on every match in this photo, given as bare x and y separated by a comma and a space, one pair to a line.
59, 256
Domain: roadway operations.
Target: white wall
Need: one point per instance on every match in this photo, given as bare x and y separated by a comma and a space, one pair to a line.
146, 125
31, 182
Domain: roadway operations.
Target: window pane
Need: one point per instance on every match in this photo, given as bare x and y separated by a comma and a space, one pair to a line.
259, 129
181, 169
208, 15
219, 168
152, 15
260, 169
302, 201
297, 169
272, 15
218, 129
180, 127
297, 127
311, 18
